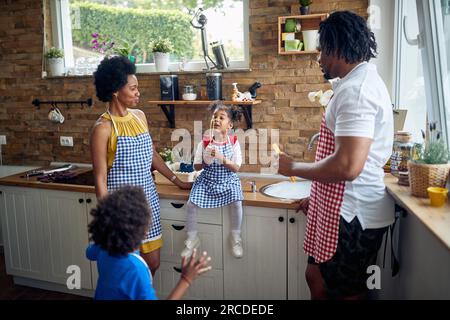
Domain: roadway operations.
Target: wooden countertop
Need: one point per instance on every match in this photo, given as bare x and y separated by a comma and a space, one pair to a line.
437, 220
165, 191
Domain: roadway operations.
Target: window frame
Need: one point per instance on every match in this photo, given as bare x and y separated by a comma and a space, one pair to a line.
62, 32
432, 47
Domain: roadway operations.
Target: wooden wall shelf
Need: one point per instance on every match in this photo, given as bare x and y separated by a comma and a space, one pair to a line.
168, 107
307, 22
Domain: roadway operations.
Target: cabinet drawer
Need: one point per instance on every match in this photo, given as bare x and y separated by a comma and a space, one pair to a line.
174, 235
208, 286
176, 210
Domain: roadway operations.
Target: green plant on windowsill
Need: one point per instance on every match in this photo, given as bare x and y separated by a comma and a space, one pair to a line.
54, 53
433, 150
161, 45
429, 165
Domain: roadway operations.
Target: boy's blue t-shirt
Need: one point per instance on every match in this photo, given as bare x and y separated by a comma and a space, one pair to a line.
120, 277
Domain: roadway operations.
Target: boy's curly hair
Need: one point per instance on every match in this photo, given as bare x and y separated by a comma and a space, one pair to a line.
111, 75
121, 220
233, 112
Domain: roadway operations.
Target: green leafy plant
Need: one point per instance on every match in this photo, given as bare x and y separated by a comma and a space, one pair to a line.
54, 53
166, 155
305, 3
161, 45
433, 150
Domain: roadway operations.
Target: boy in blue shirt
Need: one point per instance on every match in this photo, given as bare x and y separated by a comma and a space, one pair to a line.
121, 220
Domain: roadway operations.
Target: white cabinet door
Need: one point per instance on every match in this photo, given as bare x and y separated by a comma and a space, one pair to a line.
174, 235
21, 220
261, 272
297, 259
66, 235
208, 286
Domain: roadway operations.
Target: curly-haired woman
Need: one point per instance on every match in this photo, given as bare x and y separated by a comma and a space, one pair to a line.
120, 222
121, 147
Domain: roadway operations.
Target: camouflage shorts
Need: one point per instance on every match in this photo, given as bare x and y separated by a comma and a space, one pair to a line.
346, 273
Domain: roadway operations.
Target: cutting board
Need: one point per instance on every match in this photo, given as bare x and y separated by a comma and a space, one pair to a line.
399, 119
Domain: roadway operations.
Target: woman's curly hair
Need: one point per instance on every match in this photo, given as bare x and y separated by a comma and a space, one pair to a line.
347, 35
111, 75
121, 220
233, 112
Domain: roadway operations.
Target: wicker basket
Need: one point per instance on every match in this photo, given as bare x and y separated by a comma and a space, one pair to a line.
422, 176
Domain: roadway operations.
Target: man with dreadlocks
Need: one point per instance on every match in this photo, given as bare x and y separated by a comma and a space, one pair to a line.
348, 211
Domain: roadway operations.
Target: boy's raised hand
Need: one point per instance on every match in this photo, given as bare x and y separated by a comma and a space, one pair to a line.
191, 268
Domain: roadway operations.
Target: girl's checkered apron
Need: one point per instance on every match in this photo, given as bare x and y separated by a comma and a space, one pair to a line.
132, 166
217, 186
322, 228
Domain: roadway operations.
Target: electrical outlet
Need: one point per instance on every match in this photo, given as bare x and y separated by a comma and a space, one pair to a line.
66, 141
2, 139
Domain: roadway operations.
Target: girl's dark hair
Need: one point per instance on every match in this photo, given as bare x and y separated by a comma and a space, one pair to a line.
347, 35
233, 112
121, 220
111, 75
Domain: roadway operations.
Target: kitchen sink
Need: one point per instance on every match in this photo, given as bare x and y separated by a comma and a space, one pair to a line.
287, 190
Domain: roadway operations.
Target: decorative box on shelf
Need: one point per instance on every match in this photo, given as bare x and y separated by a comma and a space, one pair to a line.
292, 41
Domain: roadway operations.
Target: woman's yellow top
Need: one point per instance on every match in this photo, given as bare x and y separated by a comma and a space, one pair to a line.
129, 126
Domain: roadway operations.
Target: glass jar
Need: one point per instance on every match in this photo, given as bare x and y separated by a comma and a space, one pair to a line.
189, 92
401, 153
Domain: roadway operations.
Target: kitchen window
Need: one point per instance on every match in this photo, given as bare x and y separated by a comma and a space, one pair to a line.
422, 69
136, 22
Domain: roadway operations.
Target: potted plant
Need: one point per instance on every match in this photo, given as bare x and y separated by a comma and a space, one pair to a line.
304, 6
105, 45
55, 62
161, 49
429, 165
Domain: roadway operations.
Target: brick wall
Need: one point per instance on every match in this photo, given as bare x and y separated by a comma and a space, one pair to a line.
32, 139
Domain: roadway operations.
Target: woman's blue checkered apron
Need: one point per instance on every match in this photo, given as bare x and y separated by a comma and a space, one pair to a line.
132, 166
217, 186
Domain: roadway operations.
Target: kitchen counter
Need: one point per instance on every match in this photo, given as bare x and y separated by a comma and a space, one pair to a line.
165, 191
437, 220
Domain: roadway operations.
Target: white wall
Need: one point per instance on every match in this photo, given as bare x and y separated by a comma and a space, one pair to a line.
381, 21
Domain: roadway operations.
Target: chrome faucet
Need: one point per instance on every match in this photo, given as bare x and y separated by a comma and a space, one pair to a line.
253, 185
312, 139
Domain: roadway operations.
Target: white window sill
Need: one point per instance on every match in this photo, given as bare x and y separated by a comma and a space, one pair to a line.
235, 70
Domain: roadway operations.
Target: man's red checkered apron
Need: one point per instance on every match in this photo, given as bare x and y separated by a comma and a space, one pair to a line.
322, 228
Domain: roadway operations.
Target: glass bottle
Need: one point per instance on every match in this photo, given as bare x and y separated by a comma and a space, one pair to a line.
401, 152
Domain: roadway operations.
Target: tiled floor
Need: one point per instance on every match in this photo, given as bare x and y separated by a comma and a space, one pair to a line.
10, 291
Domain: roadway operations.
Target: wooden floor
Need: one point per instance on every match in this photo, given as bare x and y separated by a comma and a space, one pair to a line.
10, 291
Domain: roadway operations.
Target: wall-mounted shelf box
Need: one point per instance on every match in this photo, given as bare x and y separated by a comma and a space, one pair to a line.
168, 107
307, 22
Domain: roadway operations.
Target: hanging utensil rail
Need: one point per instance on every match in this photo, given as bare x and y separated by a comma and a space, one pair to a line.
37, 103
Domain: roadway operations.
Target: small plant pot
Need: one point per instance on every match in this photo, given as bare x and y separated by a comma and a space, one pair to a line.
55, 66
304, 10
161, 61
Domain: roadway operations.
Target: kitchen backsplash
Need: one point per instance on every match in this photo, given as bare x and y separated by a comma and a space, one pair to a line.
32, 139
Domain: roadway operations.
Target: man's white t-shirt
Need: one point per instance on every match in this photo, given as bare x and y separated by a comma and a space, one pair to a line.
361, 107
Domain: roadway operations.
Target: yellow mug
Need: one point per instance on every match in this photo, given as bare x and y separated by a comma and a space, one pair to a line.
438, 196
